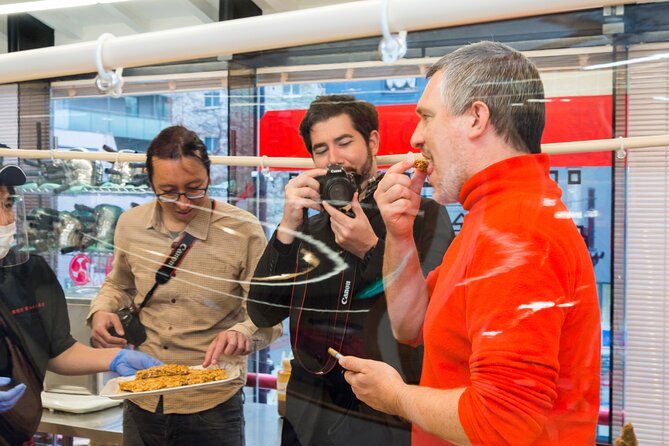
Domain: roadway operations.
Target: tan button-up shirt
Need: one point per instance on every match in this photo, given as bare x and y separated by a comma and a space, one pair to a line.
206, 296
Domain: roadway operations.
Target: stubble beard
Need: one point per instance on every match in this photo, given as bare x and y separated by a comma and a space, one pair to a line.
365, 171
447, 191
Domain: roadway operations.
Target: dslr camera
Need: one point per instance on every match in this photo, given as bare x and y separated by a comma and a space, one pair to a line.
135, 333
338, 186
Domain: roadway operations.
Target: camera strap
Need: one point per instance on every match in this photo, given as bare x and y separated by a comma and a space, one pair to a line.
336, 326
336, 330
168, 269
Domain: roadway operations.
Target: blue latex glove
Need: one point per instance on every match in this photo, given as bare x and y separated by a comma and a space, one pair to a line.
128, 362
10, 397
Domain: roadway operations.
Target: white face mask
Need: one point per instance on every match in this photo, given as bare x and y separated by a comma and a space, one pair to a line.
6, 238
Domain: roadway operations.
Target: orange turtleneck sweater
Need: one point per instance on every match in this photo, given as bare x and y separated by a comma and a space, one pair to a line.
513, 314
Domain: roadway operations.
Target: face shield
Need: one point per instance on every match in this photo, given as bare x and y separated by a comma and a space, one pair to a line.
13, 230
106, 216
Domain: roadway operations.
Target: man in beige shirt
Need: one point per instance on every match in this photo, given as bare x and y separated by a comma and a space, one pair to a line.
197, 317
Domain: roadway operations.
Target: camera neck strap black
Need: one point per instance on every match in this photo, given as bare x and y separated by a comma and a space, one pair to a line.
169, 267
336, 329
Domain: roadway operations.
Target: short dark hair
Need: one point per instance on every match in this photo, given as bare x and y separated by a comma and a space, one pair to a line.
503, 78
363, 114
174, 143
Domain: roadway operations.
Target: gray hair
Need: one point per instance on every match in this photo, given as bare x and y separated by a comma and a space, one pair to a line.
505, 80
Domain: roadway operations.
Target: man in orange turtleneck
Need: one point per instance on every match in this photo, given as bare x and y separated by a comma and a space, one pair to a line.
510, 319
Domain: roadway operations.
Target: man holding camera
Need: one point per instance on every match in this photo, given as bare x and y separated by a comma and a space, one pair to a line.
324, 273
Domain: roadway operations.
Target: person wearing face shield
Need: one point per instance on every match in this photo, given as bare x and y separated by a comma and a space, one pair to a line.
324, 273
34, 326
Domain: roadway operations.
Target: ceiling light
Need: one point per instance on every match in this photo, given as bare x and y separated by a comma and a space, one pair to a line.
43, 5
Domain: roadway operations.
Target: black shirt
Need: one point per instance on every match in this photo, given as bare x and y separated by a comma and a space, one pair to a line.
35, 299
320, 406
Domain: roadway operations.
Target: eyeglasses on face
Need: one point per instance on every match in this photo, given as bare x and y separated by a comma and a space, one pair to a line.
191, 194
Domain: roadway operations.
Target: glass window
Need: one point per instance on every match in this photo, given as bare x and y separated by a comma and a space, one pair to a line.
213, 144
584, 93
124, 124
131, 106
586, 179
212, 99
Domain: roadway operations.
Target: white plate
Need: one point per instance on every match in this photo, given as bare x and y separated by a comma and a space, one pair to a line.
111, 390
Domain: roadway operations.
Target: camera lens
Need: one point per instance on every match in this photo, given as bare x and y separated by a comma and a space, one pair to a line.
340, 191
337, 186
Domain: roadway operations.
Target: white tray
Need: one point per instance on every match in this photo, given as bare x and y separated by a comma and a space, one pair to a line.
111, 389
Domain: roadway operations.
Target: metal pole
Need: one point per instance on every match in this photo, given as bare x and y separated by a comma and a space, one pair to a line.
597, 145
308, 26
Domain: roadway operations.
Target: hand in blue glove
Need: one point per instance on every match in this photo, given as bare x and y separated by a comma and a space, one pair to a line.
128, 362
10, 397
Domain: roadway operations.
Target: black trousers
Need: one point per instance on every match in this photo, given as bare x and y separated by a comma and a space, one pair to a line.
222, 425
345, 430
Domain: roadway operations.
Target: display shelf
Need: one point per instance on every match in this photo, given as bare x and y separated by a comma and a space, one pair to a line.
214, 190
75, 190
88, 267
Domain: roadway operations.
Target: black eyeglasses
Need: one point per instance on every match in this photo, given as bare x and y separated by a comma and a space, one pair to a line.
191, 194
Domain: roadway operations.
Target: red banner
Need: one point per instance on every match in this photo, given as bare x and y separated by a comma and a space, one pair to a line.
575, 118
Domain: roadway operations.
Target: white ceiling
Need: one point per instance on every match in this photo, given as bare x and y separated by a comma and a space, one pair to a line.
86, 23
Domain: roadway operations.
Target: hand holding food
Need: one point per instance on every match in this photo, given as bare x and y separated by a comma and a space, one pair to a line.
374, 382
420, 165
398, 198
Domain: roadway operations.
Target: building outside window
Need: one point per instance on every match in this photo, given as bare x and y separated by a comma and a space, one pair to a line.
213, 144
212, 99
131, 105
